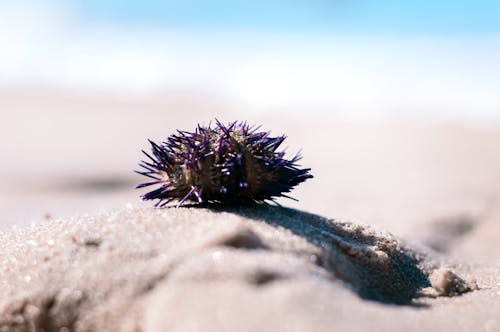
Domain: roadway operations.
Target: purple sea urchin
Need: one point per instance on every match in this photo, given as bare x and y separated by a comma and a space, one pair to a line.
226, 164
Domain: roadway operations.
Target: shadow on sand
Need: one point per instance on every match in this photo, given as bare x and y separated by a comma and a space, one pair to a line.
377, 267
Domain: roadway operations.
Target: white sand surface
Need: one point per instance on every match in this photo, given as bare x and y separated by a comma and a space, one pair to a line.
220, 269
79, 251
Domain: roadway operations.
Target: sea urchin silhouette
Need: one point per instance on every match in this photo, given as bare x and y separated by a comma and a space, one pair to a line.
228, 164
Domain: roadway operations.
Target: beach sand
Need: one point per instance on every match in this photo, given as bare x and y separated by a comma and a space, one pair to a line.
398, 230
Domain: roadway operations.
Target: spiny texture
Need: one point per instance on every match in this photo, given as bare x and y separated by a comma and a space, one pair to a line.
231, 164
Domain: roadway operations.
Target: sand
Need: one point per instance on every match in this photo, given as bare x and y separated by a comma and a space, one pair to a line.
398, 231
221, 269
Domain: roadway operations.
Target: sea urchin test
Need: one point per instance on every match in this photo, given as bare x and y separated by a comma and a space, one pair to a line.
230, 164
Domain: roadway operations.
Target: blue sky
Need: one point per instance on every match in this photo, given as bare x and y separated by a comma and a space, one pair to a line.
343, 55
427, 17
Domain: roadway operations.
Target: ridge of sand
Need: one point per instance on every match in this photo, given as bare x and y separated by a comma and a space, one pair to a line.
221, 269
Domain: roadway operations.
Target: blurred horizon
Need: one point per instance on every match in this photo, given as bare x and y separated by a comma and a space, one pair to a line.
350, 56
83, 84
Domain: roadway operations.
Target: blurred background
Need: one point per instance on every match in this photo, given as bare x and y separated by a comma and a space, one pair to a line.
394, 103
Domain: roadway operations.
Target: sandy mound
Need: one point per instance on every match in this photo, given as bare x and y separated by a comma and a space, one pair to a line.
191, 269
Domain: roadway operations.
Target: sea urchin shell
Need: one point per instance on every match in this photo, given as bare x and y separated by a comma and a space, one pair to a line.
227, 164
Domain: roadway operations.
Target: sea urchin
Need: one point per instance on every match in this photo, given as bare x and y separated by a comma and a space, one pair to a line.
228, 164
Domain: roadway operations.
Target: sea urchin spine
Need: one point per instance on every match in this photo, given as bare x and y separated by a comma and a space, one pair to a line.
228, 164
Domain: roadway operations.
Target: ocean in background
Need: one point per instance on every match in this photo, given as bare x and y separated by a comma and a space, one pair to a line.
356, 70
